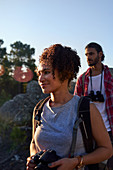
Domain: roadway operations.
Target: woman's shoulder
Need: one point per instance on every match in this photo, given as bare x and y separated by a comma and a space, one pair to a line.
76, 97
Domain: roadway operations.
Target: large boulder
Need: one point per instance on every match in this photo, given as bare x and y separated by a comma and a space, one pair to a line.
19, 109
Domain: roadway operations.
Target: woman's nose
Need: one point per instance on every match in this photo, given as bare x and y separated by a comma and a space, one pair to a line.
41, 78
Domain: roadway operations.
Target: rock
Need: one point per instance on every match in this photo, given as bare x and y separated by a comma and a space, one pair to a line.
0, 140
16, 157
19, 110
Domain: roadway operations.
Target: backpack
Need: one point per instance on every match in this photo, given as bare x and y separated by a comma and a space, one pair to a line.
83, 121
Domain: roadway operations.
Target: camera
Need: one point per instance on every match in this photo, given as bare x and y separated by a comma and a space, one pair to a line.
42, 159
98, 97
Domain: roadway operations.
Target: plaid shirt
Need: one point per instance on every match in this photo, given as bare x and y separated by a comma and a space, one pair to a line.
108, 84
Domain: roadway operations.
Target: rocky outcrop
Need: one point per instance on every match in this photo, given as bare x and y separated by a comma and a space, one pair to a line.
19, 109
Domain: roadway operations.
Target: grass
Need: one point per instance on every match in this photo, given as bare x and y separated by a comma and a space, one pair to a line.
14, 134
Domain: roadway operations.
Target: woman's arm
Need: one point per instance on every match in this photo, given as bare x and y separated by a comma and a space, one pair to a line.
104, 148
32, 144
33, 150
30, 165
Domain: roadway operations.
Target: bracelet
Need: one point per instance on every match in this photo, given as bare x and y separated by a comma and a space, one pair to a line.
80, 162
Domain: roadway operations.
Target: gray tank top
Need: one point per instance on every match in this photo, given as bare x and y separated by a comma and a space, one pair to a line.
56, 129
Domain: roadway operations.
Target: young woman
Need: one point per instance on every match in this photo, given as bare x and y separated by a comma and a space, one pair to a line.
58, 65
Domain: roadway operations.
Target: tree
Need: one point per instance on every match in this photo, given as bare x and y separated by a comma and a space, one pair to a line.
2, 51
20, 54
4, 79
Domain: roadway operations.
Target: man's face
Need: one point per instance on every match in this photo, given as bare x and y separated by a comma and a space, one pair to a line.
92, 56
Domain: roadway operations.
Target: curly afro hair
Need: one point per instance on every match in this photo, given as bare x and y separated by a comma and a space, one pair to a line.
65, 60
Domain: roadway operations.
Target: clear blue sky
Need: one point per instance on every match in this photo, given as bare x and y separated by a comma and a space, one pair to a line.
75, 23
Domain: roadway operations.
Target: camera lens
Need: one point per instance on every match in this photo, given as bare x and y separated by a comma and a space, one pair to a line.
98, 93
91, 95
99, 96
45, 158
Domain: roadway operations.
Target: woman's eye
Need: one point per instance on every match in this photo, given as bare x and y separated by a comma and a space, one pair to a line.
43, 73
38, 74
46, 72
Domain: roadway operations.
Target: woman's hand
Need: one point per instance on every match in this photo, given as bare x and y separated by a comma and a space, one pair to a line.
30, 165
65, 163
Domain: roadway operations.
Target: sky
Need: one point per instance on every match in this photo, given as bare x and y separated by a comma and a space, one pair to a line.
73, 23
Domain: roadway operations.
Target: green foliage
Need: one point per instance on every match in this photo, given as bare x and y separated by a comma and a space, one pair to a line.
4, 97
20, 54
11, 134
2, 51
3, 128
17, 136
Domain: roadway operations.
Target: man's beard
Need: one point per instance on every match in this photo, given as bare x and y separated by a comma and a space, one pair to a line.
94, 62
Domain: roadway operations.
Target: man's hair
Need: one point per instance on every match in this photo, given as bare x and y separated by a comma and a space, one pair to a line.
97, 47
65, 60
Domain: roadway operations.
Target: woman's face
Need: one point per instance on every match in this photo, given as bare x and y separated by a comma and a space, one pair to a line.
47, 82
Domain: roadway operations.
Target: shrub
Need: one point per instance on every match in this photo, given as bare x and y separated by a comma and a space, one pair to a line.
17, 136
4, 97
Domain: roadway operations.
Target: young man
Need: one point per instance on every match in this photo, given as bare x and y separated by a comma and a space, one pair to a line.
97, 83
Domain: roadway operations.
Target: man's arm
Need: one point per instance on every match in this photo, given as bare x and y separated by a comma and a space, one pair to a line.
78, 87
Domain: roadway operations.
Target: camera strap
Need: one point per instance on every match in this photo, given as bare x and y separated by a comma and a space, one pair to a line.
100, 82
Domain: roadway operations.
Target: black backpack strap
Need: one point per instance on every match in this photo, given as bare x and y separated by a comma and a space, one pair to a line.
85, 125
74, 136
39, 108
83, 114
37, 115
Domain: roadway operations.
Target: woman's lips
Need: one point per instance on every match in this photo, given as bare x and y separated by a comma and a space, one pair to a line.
43, 85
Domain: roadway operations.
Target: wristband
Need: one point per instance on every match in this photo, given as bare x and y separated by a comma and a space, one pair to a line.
80, 162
